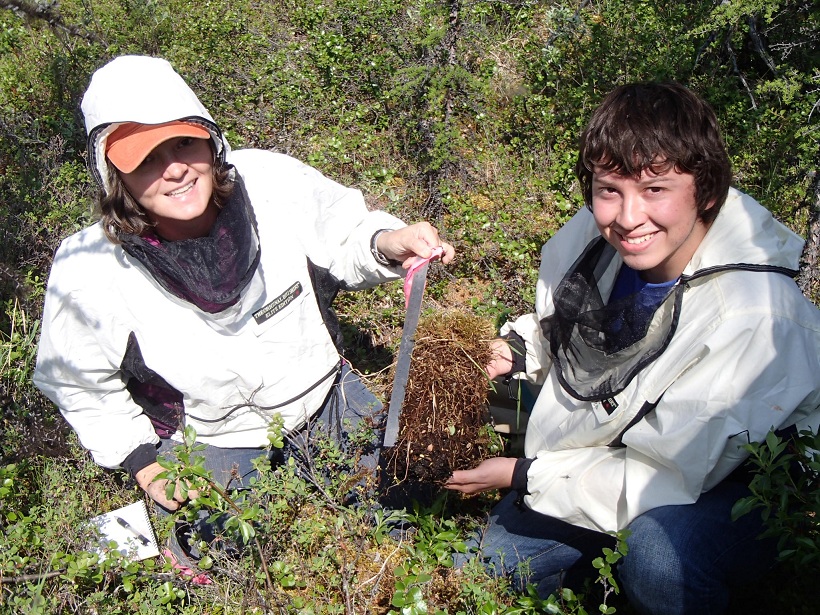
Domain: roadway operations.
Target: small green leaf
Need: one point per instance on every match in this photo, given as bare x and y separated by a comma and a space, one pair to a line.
189, 435
743, 506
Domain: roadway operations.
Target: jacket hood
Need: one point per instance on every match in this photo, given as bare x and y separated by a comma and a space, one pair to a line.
746, 233
139, 89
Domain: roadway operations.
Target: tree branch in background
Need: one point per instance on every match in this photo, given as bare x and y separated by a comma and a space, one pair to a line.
14, 280
49, 14
736, 69
446, 58
809, 277
759, 47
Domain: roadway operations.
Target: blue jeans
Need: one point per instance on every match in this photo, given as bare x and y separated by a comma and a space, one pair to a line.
681, 559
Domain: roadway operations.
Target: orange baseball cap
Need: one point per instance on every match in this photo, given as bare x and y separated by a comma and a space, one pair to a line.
131, 142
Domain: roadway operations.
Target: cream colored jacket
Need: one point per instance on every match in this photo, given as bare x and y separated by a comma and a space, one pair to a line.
744, 360
98, 296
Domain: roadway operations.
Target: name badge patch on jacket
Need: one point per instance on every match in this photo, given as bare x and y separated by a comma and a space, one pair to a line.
278, 304
604, 408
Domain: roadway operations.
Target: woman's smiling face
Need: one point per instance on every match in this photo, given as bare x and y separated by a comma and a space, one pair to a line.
174, 185
651, 220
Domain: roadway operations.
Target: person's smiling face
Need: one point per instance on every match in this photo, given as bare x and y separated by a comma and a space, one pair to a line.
651, 220
174, 185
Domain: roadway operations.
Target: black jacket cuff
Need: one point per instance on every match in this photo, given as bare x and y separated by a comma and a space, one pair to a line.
519, 478
519, 353
141, 457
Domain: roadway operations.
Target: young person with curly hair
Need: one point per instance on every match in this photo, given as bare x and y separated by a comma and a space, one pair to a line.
667, 333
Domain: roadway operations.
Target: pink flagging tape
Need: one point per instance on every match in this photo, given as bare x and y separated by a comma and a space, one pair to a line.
408, 280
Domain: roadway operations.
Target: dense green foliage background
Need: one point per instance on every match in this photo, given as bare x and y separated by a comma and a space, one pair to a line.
462, 112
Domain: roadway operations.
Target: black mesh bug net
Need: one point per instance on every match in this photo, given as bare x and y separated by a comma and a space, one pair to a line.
211, 271
599, 347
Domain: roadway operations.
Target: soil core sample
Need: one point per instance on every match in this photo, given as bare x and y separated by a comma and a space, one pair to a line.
445, 423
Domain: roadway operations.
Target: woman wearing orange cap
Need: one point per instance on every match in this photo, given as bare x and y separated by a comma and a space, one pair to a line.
151, 161
202, 297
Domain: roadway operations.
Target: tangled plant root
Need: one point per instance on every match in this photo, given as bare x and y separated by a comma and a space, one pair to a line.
444, 424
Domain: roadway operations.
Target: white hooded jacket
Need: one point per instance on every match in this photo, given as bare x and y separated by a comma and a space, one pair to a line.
269, 352
745, 358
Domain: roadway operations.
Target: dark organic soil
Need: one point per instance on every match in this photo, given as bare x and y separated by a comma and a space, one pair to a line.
444, 425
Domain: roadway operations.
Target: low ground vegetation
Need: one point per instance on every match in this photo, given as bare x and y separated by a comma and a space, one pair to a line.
465, 113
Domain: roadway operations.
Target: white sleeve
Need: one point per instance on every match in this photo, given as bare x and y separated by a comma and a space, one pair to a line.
78, 369
537, 360
331, 220
344, 227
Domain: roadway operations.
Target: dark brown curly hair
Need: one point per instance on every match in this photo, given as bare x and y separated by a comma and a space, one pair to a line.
657, 126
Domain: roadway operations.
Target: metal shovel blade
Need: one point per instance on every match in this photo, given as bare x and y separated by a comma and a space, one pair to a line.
411, 321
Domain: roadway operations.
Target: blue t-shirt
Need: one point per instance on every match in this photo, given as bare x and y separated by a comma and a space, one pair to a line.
630, 282
629, 323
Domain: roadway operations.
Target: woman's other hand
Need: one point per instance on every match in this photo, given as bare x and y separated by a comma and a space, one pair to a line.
156, 488
501, 359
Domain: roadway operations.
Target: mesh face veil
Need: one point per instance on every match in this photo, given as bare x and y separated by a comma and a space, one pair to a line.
598, 348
